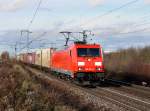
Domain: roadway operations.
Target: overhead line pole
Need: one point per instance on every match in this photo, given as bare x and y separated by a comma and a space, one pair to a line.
28, 37
33, 40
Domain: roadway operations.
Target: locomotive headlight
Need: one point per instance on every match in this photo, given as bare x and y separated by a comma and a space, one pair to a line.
80, 69
81, 63
98, 69
98, 63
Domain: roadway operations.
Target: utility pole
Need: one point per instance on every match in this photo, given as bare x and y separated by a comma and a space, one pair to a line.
28, 37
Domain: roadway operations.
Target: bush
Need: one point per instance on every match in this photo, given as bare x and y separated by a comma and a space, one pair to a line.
132, 62
20, 92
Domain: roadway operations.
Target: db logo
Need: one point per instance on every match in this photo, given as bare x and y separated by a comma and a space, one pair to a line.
89, 60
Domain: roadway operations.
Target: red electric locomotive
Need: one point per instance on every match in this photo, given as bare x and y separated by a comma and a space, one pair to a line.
80, 61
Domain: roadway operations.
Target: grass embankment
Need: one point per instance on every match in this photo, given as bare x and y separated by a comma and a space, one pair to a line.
131, 64
20, 90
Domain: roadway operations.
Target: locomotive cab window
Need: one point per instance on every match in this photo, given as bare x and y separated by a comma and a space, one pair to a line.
88, 52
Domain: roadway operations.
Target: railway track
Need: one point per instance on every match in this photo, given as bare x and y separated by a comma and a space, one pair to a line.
142, 88
124, 100
133, 91
111, 95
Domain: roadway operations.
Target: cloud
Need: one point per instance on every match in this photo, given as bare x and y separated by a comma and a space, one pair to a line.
147, 1
2, 33
99, 2
9, 6
96, 2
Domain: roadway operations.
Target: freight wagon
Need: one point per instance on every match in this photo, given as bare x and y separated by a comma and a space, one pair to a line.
31, 58
43, 57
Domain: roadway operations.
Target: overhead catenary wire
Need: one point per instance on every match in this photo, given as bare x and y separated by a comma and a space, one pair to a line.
33, 40
111, 11
30, 24
143, 22
107, 13
35, 14
129, 32
135, 25
116, 9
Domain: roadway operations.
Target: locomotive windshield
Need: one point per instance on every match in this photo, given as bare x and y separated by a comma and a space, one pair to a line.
88, 52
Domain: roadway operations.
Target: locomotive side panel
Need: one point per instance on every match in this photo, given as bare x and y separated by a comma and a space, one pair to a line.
62, 62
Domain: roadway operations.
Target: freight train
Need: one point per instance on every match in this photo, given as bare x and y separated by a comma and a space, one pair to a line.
80, 61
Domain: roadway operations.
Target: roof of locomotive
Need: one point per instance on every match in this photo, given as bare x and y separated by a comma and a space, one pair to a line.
79, 45
86, 45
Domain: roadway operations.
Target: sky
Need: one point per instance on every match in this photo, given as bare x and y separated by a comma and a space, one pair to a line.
116, 24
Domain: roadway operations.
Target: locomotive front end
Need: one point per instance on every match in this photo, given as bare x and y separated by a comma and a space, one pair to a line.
89, 63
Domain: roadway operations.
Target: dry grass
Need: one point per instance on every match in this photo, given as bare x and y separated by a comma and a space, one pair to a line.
132, 62
21, 90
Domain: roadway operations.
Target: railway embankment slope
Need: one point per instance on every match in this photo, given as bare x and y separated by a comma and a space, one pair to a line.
20, 90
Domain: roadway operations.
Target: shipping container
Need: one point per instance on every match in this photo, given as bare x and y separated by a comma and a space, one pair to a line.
46, 57
38, 57
25, 57
31, 58
21, 57
43, 57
